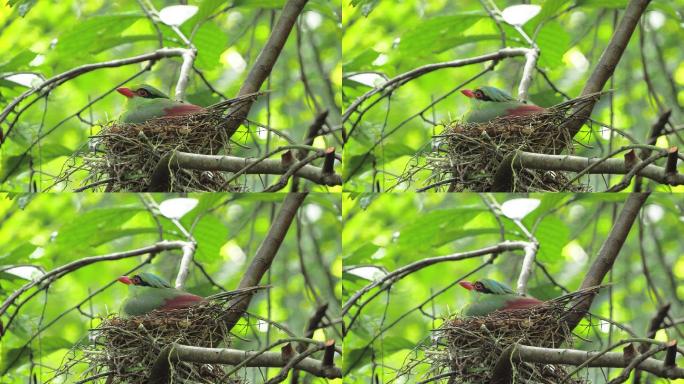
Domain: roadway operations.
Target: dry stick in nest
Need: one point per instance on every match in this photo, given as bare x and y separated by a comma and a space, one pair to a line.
129, 153
475, 345
475, 151
128, 347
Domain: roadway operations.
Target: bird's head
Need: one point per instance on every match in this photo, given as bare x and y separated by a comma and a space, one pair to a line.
142, 91
487, 286
487, 93
145, 279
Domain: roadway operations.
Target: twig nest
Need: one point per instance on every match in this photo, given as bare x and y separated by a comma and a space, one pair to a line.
128, 347
125, 155
471, 346
470, 153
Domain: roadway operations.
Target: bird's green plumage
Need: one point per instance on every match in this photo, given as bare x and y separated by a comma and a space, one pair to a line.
144, 299
497, 296
500, 103
484, 304
141, 109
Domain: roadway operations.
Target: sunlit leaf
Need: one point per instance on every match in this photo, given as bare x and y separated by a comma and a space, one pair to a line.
553, 42
552, 235
210, 42
427, 36
210, 234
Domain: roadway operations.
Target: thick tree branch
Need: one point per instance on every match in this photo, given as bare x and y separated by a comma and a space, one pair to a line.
175, 160
517, 160
607, 254
265, 254
608, 61
265, 61
577, 357
188, 353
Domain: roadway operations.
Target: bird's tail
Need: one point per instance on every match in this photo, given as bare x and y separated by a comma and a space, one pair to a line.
236, 100
238, 292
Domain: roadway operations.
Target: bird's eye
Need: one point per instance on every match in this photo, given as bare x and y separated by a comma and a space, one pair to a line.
136, 280
479, 94
478, 286
143, 93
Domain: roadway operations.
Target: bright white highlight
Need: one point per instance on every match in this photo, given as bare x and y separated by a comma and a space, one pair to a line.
177, 14
520, 14
517, 209
177, 208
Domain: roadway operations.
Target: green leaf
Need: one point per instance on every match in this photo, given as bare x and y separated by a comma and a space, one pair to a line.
23, 5
549, 9
206, 8
85, 230
602, 3
432, 32
361, 254
18, 61
367, 6
356, 357
19, 253
395, 150
265, 4
11, 165
210, 42
357, 157
553, 235
114, 41
108, 235
211, 234
430, 228
393, 344
91, 34
553, 42
17, 356
362, 61
54, 150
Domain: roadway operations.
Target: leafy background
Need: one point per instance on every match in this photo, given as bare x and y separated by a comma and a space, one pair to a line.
42, 232
387, 38
386, 231
47, 38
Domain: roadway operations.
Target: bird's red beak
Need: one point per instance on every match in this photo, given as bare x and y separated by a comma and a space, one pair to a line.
468, 93
126, 280
126, 92
466, 285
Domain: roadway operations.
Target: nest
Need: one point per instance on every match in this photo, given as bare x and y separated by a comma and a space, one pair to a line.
124, 156
470, 347
129, 347
466, 156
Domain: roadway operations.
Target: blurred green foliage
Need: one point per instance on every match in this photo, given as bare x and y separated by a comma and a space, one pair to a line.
47, 38
42, 232
384, 232
383, 39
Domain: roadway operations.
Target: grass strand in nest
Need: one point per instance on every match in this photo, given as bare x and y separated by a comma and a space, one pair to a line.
470, 347
470, 153
126, 155
128, 347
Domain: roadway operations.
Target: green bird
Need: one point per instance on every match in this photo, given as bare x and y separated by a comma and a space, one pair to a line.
148, 292
146, 102
491, 296
488, 103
